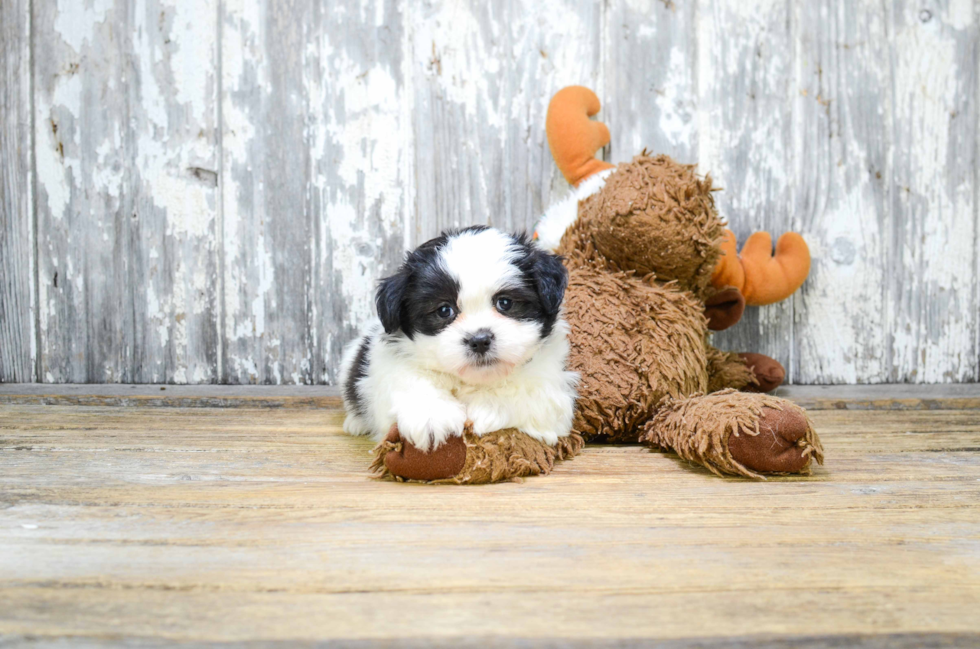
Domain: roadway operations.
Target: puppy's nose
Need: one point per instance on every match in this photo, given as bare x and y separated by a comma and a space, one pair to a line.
479, 342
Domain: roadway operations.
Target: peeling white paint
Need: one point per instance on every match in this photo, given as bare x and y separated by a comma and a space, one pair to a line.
53, 163
51, 174
242, 47
76, 20
371, 163
673, 100
456, 51
117, 138
960, 13
193, 22
158, 315
935, 333
781, 110
358, 280
844, 292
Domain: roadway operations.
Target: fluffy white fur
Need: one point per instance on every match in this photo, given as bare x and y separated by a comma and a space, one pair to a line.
564, 213
431, 387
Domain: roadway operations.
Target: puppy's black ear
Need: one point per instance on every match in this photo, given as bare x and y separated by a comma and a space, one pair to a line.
550, 279
389, 298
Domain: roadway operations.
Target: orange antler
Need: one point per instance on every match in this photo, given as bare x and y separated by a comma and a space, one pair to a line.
573, 137
763, 277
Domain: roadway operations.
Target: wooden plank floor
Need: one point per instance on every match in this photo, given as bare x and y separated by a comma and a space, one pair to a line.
146, 525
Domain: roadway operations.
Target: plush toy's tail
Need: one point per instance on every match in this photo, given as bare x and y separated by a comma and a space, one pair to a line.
761, 276
573, 137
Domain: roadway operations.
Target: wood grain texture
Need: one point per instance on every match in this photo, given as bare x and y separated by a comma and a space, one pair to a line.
962, 396
363, 166
125, 128
483, 75
220, 184
745, 142
17, 297
315, 180
933, 300
268, 243
131, 525
843, 192
650, 98
889, 641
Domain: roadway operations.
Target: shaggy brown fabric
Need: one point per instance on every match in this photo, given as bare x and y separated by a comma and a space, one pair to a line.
769, 372
640, 259
655, 216
728, 370
699, 428
633, 342
494, 457
724, 308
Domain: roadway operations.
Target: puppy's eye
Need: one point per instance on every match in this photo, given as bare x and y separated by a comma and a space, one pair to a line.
504, 303
445, 311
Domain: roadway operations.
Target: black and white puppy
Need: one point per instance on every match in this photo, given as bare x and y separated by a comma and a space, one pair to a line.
469, 329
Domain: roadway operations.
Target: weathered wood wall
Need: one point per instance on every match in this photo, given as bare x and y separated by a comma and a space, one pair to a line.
207, 190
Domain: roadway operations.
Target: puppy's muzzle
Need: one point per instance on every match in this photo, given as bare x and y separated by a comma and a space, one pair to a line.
480, 342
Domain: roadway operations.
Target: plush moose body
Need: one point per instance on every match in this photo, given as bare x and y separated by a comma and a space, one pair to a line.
651, 268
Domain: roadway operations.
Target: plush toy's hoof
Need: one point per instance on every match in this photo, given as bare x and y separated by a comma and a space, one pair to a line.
471, 459
768, 372
724, 309
736, 433
404, 460
780, 446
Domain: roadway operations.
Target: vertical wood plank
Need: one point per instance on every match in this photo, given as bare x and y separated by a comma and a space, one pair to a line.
483, 75
268, 236
932, 293
352, 132
745, 140
842, 175
651, 91
125, 117
17, 316
317, 180
361, 150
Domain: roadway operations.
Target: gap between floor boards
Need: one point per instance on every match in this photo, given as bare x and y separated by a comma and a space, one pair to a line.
961, 396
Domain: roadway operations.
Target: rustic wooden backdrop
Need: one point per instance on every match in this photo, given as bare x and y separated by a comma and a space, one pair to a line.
207, 190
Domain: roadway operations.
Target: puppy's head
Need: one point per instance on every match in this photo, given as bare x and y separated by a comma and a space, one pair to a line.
476, 303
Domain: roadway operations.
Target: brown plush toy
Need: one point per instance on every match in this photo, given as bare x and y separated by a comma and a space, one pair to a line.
651, 270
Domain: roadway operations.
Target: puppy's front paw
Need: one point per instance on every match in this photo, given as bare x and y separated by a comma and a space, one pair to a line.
547, 436
485, 418
427, 424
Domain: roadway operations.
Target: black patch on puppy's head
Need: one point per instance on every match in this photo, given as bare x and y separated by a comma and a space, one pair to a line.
544, 279
410, 299
388, 299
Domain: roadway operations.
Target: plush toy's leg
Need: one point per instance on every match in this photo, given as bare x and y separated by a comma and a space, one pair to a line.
768, 372
728, 370
748, 372
737, 433
494, 457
